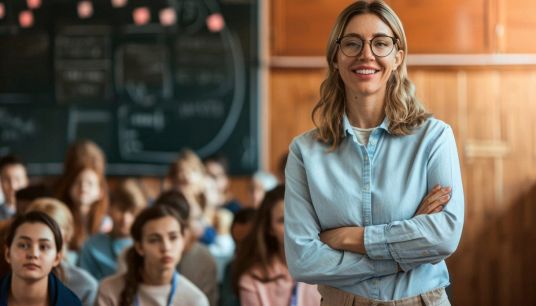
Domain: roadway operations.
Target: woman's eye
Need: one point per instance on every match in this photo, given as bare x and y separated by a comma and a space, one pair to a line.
22, 245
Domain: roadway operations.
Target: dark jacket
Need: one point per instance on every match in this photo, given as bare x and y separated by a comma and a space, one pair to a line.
58, 293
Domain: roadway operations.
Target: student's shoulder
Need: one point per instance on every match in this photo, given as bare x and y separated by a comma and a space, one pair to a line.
114, 283
189, 294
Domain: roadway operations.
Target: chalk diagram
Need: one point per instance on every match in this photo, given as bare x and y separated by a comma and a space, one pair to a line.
209, 86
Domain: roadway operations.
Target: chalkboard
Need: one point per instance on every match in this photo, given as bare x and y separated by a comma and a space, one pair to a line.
143, 79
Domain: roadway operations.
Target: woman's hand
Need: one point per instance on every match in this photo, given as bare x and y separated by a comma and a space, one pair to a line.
349, 238
434, 201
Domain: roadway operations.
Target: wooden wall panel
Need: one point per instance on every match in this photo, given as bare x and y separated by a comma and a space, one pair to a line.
455, 26
293, 94
492, 113
516, 26
301, 27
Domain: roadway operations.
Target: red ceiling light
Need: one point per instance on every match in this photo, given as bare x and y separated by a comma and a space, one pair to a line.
168, 17
26, 19
215, 22
85, 9
141, 15
33, 4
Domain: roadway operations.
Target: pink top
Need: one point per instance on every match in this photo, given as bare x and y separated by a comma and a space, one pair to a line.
253, 292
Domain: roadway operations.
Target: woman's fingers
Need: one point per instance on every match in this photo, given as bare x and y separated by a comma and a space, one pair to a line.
435, 200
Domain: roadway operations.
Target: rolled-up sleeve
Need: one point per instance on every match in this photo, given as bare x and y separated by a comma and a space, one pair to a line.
310, 260
425, 238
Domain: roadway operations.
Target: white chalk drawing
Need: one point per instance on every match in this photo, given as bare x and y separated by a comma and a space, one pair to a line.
131, 145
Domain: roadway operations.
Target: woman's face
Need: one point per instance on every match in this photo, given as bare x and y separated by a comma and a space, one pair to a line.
278, 226
33, 252
365, 74
86, 189
162, 244
189, 177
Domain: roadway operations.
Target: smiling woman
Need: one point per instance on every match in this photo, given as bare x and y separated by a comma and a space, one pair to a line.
33, 250
374, 198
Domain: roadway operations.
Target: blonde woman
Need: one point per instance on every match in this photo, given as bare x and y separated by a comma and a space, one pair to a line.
374, 200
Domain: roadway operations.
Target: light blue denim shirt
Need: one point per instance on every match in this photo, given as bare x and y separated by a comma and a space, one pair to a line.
378, 187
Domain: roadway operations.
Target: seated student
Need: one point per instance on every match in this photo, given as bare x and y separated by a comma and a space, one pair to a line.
151, 278
187, 174
197, 264
84, 189
23, 197
100, 252
217, 168
260, 273
240, 228
74, 278
13, 177
261, 182
33, 249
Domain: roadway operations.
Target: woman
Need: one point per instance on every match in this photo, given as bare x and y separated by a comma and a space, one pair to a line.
355, 221
75, 278
151, 278
33, 250
84, 189
260, 273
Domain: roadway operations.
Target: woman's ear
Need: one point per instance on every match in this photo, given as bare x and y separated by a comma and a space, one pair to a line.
139, 249
7, 256
58, 259
399, 57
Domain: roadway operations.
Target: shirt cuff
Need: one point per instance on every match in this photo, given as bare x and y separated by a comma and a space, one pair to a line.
376, 243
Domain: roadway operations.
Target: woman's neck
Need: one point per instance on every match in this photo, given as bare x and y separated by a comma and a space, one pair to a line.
156, 277
28, 293
365, 111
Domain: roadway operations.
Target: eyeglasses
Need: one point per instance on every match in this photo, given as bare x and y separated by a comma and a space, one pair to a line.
381, 46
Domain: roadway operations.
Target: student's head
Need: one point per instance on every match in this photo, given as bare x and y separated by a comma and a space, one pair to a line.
187, 173
86, 188
217, 168
158, 244
264, 242
58, 211
26, 196
191, 213
85, 191
126, 201
85, 153
384, 52
33, 246
13, 177
242, 223
261, 182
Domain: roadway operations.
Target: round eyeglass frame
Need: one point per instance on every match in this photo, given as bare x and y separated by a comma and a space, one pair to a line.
394, 39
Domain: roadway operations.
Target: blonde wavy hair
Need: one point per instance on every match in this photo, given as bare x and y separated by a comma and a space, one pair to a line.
402, 108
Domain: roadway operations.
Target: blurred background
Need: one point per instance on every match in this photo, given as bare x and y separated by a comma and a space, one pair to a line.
240, 77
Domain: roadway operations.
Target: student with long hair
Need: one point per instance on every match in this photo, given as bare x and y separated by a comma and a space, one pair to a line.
78, 280
260, 274
151, 277
84, 189
33, 250
100, 253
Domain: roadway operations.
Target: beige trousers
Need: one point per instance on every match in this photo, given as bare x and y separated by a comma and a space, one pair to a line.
335, 297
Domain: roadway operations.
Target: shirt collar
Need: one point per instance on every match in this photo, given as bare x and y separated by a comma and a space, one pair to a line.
348, 127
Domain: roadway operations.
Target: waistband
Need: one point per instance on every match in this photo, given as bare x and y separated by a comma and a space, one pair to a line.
336, 297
